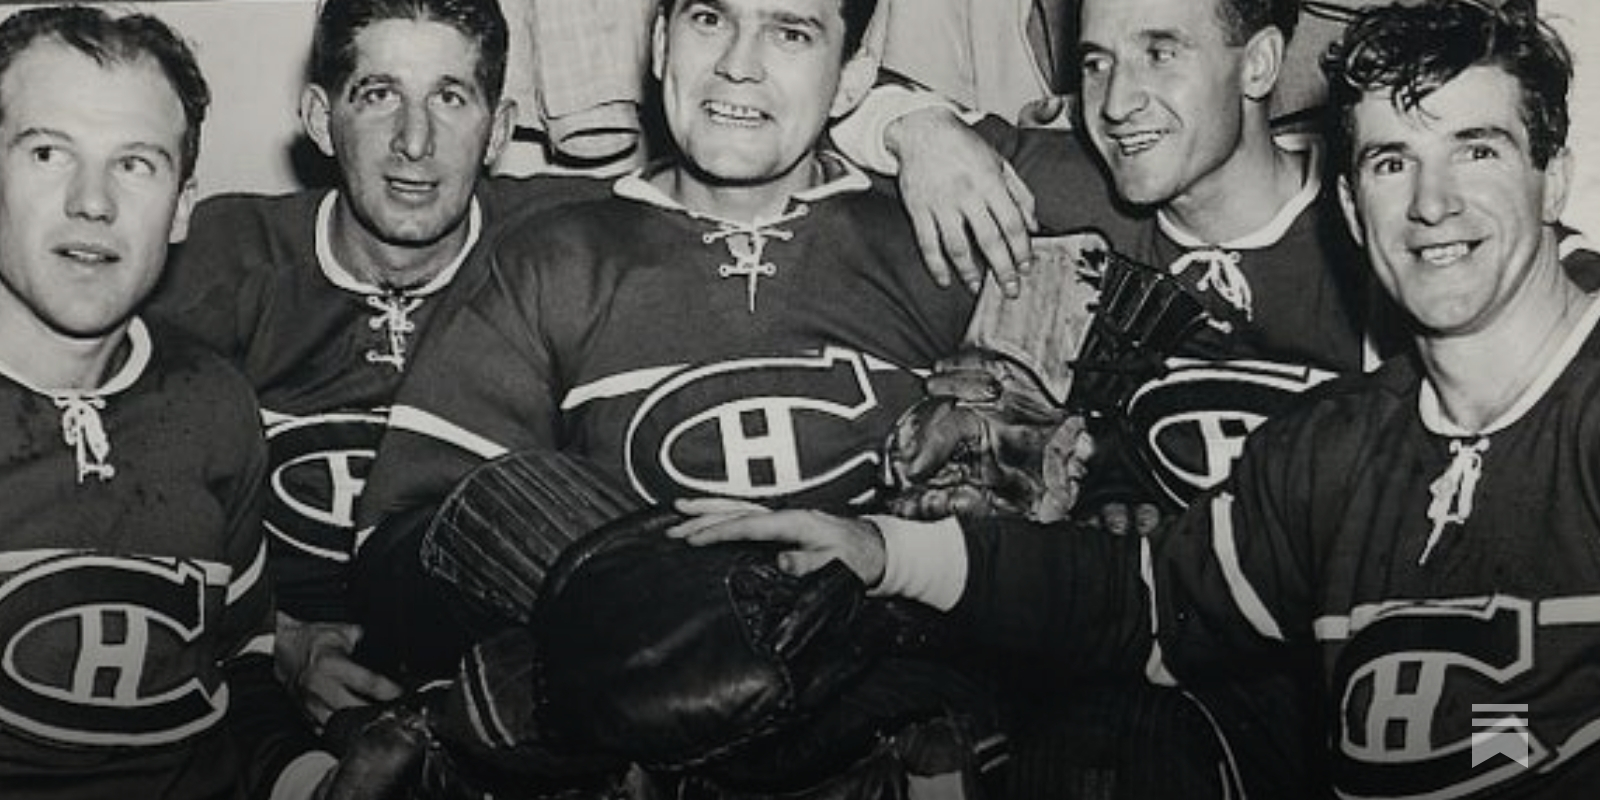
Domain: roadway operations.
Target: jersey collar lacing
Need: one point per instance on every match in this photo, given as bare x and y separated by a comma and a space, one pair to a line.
392, 306
82, 428
1221, 260
1454, 490
747, 241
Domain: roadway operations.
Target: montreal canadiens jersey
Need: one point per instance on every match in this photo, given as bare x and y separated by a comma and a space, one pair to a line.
131, 570
686, 355
1308, 312
1450, 581
1445, 587
258, 281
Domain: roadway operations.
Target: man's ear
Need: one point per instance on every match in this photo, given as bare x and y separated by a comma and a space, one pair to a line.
1557, 183
501, 128
315, 110
1347, 204
857, 78
1263, 63
658, 46
187, 197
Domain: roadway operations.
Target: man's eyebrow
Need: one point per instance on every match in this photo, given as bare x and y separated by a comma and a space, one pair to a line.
1151, 36
155, 149
801, 20
1487, 132
364, 81
1367, 152
1145, 37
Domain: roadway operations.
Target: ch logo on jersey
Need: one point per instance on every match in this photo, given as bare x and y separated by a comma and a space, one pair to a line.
1191, 424
1412, 674
804, 434
319, 467
104, 651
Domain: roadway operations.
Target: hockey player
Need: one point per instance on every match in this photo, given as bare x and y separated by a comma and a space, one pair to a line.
745, 320
1177, 164
1424, 531
135, 618
320, 296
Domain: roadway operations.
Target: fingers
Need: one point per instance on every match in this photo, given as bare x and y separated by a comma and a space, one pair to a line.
333, 682
931, 243
1026, 206
801, 563
775, 526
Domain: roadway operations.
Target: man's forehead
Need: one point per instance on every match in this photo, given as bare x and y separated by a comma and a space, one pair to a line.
1480, 102
825, 11
392, 46
1149, 19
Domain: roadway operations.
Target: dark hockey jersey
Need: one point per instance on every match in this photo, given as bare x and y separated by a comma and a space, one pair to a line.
685, 355
1300, 281
688, 356
257, 280
1448, 583
131, 578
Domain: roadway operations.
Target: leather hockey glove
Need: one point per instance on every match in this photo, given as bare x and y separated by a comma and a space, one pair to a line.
381, 750
987, 441
995, 436
673, 656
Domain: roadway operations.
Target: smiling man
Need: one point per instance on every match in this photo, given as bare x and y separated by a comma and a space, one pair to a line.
745, 319
321, 296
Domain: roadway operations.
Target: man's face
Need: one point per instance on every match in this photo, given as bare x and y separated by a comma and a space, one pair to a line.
411, 129
1448, 202
1162, 96
748, 84
91, 188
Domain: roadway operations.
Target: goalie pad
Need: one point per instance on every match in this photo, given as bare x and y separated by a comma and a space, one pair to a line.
497, 533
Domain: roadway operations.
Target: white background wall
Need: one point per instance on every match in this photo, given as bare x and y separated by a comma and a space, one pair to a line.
254, 51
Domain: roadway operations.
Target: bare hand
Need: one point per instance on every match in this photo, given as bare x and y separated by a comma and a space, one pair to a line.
313, 660
961, 196
817, 537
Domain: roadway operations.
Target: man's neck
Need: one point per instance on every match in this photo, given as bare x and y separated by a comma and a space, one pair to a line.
386, 264
739, 202
1479, 376
53, 362
1244, 195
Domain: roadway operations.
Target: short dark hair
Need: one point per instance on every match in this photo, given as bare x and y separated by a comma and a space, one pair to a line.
1241, 19
1411, 50
333, 46
110, 40
857, 16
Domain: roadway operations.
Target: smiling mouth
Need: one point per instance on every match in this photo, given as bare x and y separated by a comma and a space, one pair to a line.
406, 186
1132, 144
735, 115
88, 254
1439, 255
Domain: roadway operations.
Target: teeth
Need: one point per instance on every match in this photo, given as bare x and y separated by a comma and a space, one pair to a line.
93, 256
1444, 253
1136, 142
743, 115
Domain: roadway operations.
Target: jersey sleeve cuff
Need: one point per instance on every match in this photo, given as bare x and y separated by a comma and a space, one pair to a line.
924, 561
299, 780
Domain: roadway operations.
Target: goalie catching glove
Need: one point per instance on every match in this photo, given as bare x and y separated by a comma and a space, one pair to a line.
987, 441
